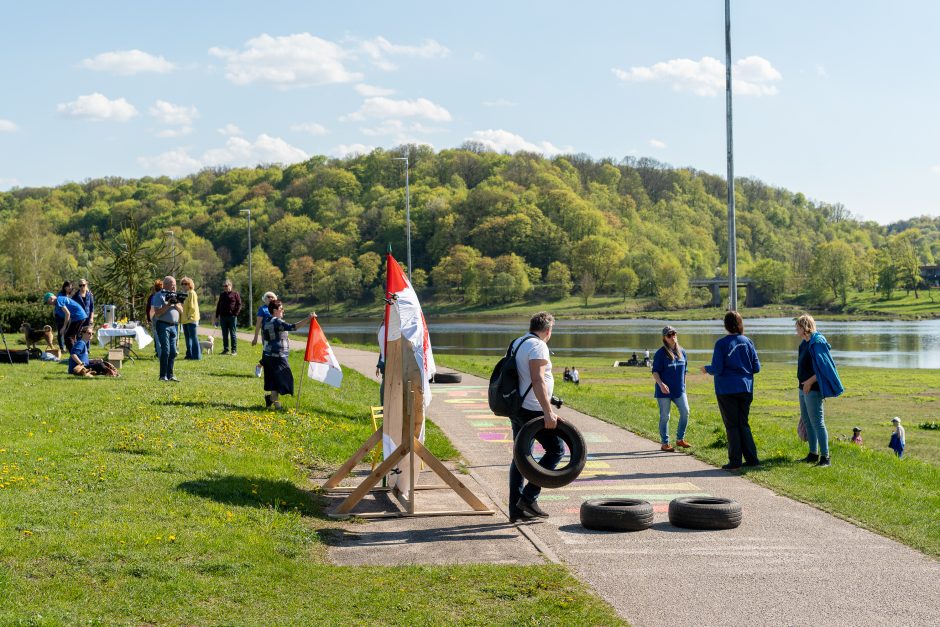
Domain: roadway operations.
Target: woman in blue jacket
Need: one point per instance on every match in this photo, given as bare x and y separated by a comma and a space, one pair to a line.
817, 379
734, 364
670, 365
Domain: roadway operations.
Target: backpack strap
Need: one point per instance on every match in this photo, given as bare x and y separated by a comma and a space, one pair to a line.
524, 340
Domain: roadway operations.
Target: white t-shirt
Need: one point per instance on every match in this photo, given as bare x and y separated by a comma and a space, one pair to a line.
532, 349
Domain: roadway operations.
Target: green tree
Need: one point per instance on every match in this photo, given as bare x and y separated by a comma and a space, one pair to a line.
127, 271
626, 282
672, 284
265, 276
770, 279
558, 281
832, 268
587, 286
597, 256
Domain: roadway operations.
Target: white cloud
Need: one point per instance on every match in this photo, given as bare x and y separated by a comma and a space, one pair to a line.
6, 126
175, 132
310, 127
504, 141
97, 107
127, 62
371, 90
499, 102
655, 143
402, 132
236, 152
379, 49
349, 150
291, 61
751, 76
169, 113
380, 107
229, 130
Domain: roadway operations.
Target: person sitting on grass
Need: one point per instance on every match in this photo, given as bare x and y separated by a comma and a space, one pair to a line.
856, 436
81, 365
263, 316
278, 378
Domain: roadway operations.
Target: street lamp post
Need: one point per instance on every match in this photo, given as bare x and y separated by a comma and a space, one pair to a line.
732, 235
251, 293
173, 244
407, 213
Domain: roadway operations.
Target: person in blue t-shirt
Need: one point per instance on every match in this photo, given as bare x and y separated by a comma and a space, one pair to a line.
80, 364
734, 364
71, 314
670, 365
260, 320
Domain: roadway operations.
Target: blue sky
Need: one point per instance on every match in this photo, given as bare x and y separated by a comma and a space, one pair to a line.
836, 99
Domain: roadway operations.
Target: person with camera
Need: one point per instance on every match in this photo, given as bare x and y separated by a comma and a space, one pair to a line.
167, 310
536, 385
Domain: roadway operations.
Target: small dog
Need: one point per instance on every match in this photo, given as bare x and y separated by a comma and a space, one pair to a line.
207, 345
34, 337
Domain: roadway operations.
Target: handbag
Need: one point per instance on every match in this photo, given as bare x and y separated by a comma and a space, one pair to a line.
801, 430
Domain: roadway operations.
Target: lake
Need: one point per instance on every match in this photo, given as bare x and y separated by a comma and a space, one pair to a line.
913, 344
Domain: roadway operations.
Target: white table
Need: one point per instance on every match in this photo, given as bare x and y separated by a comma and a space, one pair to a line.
138, 332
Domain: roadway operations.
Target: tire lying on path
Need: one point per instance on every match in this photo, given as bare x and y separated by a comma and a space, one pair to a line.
704, 512
447, 377
616, 514
539, 475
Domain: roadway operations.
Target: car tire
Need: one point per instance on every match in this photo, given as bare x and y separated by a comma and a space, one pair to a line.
537, 474
447, 377
704, 512
616, 515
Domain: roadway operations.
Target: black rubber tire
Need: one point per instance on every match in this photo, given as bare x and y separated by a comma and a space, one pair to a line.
616, 514
530, 468
704, 512
448, 377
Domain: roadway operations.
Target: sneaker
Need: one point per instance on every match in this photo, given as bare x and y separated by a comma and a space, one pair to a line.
812, 458
164, 379
683, 444
667, 448
258, 370
233, 353
731, 467
823, 462
532, 509
173, 379
267, 400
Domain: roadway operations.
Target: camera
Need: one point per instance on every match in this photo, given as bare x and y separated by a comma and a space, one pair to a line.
557, 402
174, 298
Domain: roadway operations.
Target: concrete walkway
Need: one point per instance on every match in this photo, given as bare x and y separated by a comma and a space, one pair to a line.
787, 564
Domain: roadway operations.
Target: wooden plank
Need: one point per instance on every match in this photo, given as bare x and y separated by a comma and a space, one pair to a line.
418, 514
444, 473
350, 463
369, 482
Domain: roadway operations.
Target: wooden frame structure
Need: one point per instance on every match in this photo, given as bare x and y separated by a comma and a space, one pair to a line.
404, 402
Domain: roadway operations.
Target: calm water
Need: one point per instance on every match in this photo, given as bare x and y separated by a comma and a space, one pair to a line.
881, 344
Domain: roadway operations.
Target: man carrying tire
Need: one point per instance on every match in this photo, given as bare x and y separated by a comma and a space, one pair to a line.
536, 384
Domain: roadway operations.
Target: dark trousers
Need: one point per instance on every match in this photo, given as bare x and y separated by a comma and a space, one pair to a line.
734, 413
229, 337
59, 333
554, 450
72, 331
167, 335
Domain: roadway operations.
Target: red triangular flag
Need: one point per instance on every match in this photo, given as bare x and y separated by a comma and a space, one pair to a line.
396, 281
317, 346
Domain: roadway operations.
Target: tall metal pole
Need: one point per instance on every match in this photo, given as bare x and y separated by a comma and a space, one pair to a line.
732, 234
251, 293
407, 213
173, 244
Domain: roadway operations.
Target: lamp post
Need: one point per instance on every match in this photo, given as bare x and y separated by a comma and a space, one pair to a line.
732, 234
251, 293
173, 244
407, 213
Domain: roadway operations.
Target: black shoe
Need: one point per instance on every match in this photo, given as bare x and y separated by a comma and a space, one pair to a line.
752, 464
532, 509
823, 462
267, 400
520, 516
812, 458
731, 467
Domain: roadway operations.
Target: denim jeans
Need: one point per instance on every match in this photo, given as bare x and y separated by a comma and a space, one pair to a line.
167, 335
156, 340
191, 337
682, 404
554, 450
735, 409
229, 336
811, 410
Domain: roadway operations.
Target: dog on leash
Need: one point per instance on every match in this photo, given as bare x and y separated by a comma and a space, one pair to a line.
207, 344
34, 337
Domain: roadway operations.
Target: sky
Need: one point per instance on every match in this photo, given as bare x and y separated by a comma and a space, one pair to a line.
834, 99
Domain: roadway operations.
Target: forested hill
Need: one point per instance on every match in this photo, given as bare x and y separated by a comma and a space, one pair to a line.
487, 227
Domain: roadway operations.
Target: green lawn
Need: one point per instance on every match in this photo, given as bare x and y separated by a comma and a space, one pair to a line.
130, 501
925, 305
869, 485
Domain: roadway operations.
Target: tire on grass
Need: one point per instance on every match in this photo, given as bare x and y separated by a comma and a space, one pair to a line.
448, 377
539, 475
616, 514
704, 512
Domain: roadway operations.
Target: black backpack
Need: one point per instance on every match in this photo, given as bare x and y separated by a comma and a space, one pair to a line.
504, 396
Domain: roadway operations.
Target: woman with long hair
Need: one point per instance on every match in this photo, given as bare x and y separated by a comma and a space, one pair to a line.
817, 380
670, 365
190, 319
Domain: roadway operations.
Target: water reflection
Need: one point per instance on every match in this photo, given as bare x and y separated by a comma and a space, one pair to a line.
880, 344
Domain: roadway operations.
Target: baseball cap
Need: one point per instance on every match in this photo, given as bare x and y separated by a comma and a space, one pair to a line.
668, 329
896, 420
47, 296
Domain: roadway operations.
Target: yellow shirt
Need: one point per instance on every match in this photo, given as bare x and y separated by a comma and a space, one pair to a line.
190, 309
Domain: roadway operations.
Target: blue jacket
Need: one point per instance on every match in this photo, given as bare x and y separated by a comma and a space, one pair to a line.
734, 364
826, 374
671, 372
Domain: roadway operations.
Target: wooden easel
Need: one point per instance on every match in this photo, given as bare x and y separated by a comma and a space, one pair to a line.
409, 389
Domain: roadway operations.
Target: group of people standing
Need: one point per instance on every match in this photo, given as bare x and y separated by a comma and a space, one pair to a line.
72, 310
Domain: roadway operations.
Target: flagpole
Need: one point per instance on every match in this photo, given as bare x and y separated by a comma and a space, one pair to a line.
300, 388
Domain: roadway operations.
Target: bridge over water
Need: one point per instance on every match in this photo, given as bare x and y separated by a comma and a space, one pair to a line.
718, 283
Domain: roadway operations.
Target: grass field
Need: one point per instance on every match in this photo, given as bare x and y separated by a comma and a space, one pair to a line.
130, 501
869, 485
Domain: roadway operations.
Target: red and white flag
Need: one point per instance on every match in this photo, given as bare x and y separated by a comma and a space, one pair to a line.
322, 365
404, 318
